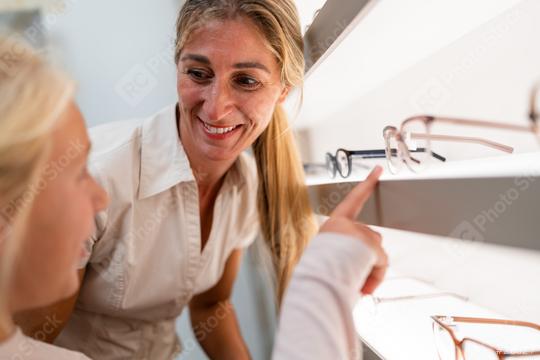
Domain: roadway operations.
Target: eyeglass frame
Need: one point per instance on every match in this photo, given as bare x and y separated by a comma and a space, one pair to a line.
501, 354
534, 127
376, 301
429, 120
364, 154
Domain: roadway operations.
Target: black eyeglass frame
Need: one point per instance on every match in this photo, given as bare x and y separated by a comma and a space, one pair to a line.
334, 166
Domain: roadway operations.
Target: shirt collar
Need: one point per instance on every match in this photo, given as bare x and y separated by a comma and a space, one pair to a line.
164, 162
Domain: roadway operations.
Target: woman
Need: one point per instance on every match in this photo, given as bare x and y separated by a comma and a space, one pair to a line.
48, 200
43, 151
186, 199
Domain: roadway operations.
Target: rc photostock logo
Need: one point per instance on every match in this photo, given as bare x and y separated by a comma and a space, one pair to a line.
142, 78
476, 229
136, 85
467, 231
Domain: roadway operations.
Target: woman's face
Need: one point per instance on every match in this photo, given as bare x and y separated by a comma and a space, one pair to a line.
61, 219
229, 84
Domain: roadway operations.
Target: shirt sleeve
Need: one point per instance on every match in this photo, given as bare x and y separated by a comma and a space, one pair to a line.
316, 317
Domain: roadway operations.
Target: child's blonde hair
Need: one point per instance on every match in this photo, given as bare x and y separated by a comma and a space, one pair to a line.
33, 94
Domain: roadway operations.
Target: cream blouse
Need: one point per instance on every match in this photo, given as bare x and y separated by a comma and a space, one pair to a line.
145, 261
19, 347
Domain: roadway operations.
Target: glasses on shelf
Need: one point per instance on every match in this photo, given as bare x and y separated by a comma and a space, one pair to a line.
450, 348
372, 302
342, 161
415, 132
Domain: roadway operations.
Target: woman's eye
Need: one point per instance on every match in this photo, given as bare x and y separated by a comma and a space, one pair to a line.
198, 75
248, 82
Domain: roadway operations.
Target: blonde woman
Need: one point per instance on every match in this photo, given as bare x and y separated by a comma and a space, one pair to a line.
43, 151
185, 197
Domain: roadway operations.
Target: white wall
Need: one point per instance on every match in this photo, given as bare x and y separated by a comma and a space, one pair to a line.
120, 52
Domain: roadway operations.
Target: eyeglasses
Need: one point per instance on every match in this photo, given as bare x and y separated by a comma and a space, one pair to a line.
342, 161
372, 302
450, 348
415, 132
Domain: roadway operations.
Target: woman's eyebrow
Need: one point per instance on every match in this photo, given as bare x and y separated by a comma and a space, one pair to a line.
250, 65
244, 65
198, 58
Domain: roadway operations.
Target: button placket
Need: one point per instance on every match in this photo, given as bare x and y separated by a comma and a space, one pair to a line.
191, 205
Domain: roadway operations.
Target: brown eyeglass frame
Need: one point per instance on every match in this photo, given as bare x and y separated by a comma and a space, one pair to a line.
428, 120
501, 354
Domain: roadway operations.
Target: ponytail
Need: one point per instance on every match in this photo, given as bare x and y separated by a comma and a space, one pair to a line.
285, 213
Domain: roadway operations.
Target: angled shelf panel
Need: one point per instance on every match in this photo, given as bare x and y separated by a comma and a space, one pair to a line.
493, 200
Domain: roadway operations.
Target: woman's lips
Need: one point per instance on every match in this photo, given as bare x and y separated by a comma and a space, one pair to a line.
207, 129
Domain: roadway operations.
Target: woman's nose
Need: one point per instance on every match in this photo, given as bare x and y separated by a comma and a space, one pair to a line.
219, 102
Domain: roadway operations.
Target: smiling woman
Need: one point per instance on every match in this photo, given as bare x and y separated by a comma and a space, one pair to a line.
187, 198
251, 92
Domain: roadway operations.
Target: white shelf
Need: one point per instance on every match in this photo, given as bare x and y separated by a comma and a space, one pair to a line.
515, 165
494, 200
403, 329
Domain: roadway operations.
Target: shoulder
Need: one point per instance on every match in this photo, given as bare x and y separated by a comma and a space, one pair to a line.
115, 157
23, 347
111, 139
115, 160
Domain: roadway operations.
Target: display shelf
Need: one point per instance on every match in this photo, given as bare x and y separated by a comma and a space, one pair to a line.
403, 329
495, 200
515, 165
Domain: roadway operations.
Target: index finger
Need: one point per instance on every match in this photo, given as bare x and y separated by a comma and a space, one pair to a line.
353, 203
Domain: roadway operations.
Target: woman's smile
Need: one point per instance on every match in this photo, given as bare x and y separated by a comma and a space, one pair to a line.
221, 132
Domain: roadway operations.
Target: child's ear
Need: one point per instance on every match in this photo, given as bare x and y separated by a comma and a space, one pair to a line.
284, 94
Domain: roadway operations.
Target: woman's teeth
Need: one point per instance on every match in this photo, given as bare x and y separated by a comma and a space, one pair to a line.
214, 130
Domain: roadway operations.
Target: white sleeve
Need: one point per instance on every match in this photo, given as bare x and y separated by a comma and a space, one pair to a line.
316, 317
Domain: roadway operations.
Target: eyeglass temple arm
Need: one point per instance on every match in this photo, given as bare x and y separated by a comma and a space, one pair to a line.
489, 321
521, 353
464, 139
533, 115
419, 296
381, 154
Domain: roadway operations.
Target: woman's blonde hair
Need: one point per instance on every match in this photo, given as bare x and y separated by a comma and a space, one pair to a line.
285, 212
32, 96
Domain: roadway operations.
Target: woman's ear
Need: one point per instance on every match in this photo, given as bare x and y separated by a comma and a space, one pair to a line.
284, 94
